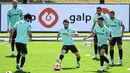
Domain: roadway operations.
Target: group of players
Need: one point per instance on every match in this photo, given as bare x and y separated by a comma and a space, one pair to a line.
104, 29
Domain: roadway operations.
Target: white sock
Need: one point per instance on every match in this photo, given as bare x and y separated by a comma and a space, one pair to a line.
12, 52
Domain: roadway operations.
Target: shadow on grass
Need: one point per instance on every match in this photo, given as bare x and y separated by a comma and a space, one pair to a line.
104, 71
10, 56
21, 72
97, 59
69, 68
116, 65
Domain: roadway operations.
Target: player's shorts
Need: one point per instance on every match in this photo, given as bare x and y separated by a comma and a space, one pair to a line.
95, 38
14, 35
21, 48
70, 47
104, 46
116, 39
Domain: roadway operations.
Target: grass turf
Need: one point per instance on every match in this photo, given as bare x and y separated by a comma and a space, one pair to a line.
42, 55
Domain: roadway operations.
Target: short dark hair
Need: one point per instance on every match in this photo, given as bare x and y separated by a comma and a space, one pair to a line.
28, 16
66, 21
112, 12
100, 18
99, 8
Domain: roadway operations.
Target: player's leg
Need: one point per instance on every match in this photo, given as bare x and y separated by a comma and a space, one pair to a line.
12, 43
24, 52
119, 45
102, 57
95, 47
112, 44
106, 51
63, 52
76, 52
18, 55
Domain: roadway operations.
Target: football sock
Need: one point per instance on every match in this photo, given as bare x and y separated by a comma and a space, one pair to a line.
61, 57
22, 62
112, 54
120, 53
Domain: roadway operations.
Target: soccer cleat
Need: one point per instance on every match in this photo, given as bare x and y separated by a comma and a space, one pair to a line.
58, 61
120, 62
111, 62
17, 66
108, 64
101, 68
107, 56
20, 69
95, 57
78, 65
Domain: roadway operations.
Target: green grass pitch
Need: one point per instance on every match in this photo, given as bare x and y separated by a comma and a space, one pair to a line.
42, 57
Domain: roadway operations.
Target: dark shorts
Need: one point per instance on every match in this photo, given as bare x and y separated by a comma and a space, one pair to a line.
14, 35
104, 46
21, 48
70, 47
116, 39
95, 38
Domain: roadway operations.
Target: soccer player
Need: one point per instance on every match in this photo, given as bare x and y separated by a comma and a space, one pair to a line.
68, 43
115, 24
14, 15
95, 21
102, 32
23, 30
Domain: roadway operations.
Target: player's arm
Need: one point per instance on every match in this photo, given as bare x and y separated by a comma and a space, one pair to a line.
91, 35
8, 20
29, 32
123, 28
58, 36
11, 34
93, 27
21, 15
30, 35
75, 33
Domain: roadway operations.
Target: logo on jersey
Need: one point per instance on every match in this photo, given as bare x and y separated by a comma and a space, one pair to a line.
48, 17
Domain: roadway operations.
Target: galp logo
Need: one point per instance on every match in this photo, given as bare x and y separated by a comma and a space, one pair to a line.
48, 17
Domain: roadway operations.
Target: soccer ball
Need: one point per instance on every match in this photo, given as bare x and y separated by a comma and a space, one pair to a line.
8, 72
57, 66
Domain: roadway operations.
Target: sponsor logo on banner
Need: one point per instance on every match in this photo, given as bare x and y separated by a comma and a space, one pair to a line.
48, 17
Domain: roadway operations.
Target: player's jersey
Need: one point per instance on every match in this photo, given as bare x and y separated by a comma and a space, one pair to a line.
102, 34
115, 26
95, 19
66, 38
22, 27
13, 16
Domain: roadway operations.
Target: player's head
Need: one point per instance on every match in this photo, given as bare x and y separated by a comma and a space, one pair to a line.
99, 10
112, 14
66, 23
14, 3
100, 21
28, 17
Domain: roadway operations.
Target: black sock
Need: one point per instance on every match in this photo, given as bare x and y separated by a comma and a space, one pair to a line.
22, 62
95, 49
12, 45
106, 60
18, 58
101, 60
61, 57
106, 51
112, 54
120, 53
78, 59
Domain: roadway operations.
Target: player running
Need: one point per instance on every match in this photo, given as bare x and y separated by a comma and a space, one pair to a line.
115, 25
68, 43
14, 15
23, 30
102, 32
95, 21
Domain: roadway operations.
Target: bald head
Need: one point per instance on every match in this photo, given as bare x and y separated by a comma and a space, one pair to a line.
14, 3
